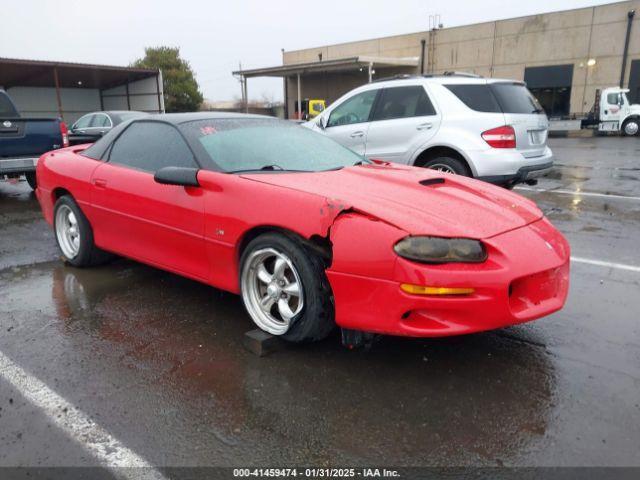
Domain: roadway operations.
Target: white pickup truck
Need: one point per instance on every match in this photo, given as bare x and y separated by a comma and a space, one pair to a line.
612, 112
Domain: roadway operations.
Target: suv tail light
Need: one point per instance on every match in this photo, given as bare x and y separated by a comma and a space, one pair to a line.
501, 137
64, 131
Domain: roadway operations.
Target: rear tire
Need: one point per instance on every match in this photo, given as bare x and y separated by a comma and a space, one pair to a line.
75, 235
285, 289
448, 165
631, 127
31, 179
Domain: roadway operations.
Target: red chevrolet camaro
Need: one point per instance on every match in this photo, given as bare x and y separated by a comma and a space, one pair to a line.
310, 234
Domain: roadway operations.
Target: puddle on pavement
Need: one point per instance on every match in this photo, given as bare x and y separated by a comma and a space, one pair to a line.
479, 399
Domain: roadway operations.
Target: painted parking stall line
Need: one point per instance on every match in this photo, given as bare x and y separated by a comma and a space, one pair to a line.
579, 193
107, 449
602, 263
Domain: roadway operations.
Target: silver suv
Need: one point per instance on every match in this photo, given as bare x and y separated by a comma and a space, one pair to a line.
485, 128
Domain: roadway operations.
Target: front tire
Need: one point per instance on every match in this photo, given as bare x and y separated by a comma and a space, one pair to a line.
285, 289
31, 179
631, 127
448, 165
74, 234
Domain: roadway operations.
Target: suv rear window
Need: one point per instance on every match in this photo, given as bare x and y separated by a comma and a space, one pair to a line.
497, 98
515, 98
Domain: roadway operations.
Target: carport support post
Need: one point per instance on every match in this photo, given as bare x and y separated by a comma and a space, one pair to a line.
299, 99
158, 90
126, 87
56, 80
246, 98
370, 72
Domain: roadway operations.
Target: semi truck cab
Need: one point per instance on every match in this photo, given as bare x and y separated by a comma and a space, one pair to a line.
614, 113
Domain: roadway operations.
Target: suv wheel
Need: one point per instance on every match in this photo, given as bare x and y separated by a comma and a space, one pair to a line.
448, 165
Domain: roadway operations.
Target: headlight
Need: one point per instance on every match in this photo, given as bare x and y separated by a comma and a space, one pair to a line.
441, 250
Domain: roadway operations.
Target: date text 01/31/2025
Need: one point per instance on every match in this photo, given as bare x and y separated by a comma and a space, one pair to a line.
315, 472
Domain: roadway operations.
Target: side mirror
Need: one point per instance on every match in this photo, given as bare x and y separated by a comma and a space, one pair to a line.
186, 177
322, 122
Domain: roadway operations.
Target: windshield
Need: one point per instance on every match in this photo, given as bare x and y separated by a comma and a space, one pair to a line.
253, 144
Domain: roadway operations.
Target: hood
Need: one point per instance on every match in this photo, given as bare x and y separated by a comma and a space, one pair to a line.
442, 205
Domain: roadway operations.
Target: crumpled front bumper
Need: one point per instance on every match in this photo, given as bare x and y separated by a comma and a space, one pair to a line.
526, 276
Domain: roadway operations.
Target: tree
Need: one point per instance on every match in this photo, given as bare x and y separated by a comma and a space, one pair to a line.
181, 91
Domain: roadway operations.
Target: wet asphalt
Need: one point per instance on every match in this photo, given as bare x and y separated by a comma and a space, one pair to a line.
157, 360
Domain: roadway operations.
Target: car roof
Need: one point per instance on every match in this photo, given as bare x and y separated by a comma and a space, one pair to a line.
441, 80
120, 112
178, 118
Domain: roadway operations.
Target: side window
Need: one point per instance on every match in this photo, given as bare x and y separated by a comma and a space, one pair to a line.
100, 120
476, 97
354, 110
403, 102
150, 146
613, 98
84, 122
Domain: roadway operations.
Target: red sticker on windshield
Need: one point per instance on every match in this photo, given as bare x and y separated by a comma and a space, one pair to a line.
207, 130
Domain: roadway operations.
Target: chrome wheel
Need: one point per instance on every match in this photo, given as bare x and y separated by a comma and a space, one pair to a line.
271, 290
67, 231
442, 167
631, 128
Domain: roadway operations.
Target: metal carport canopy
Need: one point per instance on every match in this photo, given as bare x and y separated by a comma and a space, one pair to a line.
341, 64
43, 73
336, 65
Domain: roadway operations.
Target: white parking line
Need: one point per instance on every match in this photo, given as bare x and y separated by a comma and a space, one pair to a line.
600, 263
108, 450
578, 193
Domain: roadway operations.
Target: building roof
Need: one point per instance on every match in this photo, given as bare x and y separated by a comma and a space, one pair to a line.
340, 64
40, 73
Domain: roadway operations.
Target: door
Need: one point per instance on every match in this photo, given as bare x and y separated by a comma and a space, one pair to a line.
139, 218
403, 121
349, 121
83, 124
100, 124
611, 106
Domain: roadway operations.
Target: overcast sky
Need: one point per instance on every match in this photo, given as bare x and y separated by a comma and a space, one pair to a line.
214, 35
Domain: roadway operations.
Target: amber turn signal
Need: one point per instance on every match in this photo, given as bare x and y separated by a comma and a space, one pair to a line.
424, 290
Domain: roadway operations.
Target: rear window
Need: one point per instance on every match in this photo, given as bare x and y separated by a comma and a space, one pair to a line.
497, 98
515, 98
6, 107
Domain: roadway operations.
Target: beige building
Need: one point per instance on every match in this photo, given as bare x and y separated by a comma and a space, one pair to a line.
563, 56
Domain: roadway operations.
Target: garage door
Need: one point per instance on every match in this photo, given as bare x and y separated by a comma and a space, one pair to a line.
551, 85
634, 82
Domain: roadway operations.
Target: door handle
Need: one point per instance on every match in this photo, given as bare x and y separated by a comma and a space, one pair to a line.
100, 183
424, 126
359, 133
